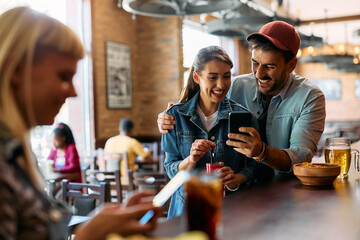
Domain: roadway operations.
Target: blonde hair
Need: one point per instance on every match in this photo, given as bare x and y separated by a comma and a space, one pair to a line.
23, 33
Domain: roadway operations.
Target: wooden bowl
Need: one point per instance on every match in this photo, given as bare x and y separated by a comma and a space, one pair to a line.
316, 174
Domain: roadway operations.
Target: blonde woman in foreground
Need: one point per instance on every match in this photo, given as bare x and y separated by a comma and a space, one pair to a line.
38, 59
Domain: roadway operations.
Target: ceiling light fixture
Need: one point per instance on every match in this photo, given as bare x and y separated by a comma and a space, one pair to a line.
164, 8
341, 57
249, 17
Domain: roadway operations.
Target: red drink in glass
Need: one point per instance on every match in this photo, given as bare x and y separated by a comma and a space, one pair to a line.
211, 167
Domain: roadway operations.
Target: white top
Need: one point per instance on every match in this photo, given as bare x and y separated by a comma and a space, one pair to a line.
208, 122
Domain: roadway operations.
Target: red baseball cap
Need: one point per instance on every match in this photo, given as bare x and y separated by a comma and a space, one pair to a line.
281, 34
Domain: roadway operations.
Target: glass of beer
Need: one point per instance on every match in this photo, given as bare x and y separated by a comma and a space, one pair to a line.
204, 204
338, 151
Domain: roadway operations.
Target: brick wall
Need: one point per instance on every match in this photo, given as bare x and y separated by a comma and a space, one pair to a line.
156, 62
159, 68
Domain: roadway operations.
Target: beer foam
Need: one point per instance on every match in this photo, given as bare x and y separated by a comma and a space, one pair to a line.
338, 147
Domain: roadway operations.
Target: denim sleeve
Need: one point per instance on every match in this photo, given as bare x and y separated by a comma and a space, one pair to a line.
172, 155
308, 129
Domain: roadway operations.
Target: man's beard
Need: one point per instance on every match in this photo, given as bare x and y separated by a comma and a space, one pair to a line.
276, 87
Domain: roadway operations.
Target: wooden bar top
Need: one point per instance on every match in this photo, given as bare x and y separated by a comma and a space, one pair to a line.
286, 209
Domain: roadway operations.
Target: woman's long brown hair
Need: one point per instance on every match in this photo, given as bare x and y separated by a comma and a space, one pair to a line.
204, 56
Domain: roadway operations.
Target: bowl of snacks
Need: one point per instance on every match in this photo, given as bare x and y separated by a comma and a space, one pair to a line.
316, 174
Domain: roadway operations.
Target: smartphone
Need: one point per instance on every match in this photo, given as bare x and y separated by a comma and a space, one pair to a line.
237, 120
179, 179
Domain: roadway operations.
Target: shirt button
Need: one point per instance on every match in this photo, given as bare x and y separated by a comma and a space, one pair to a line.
212, 138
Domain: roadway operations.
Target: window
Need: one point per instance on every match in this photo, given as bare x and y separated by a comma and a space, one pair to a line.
330, 87
194, 39
79, 122
357, 88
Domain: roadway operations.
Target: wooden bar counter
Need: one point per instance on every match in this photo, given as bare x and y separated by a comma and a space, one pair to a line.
286, 209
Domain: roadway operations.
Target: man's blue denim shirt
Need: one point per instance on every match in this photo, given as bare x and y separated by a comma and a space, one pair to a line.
177, 144
296, 116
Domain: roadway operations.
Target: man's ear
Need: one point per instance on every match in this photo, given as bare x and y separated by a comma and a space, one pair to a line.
292, 65
196, 77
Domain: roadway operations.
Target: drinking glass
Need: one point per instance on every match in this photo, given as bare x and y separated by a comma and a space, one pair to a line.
204, 204
50, 166
338, 150
211, 167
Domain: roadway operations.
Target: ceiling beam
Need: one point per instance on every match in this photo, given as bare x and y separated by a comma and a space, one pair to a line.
328, 20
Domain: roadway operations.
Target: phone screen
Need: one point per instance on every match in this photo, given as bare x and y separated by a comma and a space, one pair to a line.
237, 120
179, 179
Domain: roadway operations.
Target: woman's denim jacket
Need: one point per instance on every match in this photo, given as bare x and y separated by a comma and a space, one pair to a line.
177, 143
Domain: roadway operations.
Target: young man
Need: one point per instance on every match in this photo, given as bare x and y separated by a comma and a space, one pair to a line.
290, 110
125, 143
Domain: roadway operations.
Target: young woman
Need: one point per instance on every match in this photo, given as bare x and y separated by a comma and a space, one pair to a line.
38, 59
202, 125
64, 153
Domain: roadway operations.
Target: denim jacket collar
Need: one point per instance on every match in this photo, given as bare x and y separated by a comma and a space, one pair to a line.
281, 94
189, 108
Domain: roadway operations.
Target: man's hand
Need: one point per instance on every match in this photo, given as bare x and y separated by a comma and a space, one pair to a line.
251, 145
165, 121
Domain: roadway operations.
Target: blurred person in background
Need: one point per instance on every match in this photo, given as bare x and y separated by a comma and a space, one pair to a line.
38, 60
64, 153
124, 142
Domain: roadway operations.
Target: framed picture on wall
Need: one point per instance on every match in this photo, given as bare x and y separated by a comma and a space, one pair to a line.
330, 87
357, 88
118, 75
